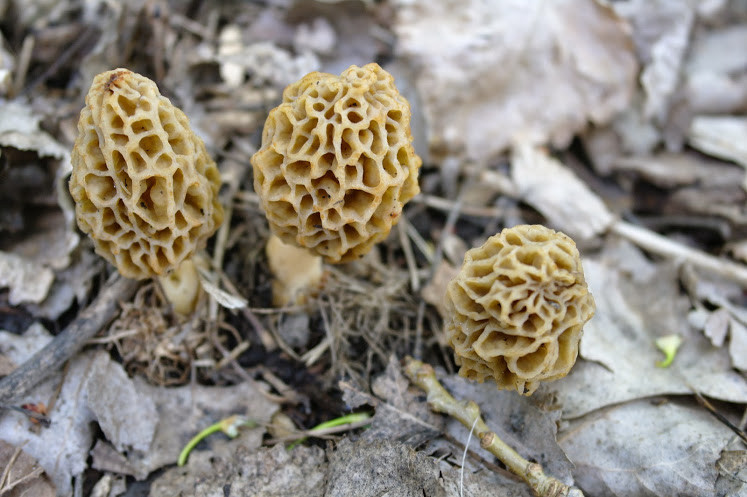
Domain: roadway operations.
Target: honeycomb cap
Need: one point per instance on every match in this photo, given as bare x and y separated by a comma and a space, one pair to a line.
516, 310
145, 189
336, 163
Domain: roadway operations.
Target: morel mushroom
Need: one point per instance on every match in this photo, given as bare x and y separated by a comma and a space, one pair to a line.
337, 163
516, 310
145, 189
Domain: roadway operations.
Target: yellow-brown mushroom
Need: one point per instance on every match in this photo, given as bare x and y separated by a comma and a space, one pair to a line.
145, 189
516, 310
337, 163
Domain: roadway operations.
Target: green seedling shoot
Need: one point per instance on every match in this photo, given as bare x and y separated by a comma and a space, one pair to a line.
230, 426
668, 345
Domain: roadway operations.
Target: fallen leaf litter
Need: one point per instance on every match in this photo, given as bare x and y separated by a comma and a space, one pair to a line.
648, 180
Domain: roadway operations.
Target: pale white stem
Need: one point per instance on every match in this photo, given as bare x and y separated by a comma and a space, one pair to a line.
296, 272
182, 287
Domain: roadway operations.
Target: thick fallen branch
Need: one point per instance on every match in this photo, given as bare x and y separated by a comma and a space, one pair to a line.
51, 358
468, 413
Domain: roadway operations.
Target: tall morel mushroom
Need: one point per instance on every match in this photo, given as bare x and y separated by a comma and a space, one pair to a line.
337, 163
516, 310
145, 189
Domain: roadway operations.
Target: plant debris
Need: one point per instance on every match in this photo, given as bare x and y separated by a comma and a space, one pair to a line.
619, 123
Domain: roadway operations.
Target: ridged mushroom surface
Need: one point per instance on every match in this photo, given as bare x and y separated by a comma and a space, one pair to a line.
336, 163
516, 310
145, 189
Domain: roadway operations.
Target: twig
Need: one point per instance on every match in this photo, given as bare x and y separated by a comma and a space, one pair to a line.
709, 407
5, 485
409, 257
85, 38
22, 67
446, 205
656, 243
468, 413
50, 359
418, 240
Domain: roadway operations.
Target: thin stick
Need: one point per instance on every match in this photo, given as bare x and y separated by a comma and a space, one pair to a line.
709, 407
86, 37
409, 257
446, 205
24, 59
468, 413
653, 242
50, 359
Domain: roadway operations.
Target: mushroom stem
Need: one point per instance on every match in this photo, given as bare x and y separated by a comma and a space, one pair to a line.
296, 271
182, 287
468, 413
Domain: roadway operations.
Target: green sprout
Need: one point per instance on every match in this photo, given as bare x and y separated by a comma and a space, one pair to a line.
351, 418
668, 345
230, 426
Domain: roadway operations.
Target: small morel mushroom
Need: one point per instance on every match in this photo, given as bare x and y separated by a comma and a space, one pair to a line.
516, 310
337, 163
145, 189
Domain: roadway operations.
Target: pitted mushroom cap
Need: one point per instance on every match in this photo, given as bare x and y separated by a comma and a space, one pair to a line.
516, 310
145, 189
336, 163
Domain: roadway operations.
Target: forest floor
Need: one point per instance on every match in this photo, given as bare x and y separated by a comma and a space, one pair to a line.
622, 125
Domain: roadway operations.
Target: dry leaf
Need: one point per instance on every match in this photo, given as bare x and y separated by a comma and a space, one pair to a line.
716, 326
724, 137
551, 188
27, 280
661, 32
434, 292
642, 448
224, 298
638, 301
537, 71
136, 418
716, 70
19, 128
185, 411
738, 344
401, 414
669, 170
266, 63
732, 473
